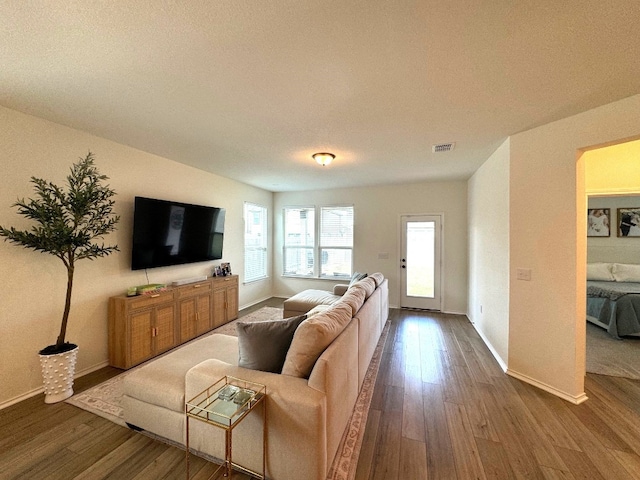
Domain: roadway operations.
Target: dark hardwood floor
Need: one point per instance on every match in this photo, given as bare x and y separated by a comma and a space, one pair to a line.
441, 409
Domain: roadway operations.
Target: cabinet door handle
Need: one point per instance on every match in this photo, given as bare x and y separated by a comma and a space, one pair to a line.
154, 332
155, 295
197, 286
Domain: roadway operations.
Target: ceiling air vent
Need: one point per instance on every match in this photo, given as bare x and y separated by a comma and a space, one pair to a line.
443, 147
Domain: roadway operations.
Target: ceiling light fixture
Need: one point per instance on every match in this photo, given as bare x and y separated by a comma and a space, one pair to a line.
323, 159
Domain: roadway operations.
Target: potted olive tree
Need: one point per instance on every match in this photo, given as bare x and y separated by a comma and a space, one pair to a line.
67, 225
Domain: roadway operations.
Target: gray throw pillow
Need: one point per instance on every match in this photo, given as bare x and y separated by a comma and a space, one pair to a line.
356, 277
264, 345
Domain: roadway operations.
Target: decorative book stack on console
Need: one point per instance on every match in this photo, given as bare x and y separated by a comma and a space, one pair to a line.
144, 326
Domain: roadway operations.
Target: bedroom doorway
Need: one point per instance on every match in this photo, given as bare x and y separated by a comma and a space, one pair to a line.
612, 181
420, 262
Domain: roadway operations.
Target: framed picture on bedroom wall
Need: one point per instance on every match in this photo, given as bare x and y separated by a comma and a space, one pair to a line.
598, 222
629, 222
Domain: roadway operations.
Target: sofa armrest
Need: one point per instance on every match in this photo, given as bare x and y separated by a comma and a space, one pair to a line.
340, 289
296, 420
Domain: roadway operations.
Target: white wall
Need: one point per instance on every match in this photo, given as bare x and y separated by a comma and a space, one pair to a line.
33, 284
489, 252
548, 236
377, 224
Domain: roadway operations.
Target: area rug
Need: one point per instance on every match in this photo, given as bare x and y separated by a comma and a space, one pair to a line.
609, 356
105, 399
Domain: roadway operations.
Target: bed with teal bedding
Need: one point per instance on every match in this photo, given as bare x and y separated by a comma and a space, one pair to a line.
614, 306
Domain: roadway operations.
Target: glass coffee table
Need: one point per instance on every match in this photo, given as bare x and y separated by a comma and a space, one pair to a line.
224, 405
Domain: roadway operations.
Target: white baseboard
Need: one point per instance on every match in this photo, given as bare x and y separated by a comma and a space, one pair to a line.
501, 362
20, 398
242, 307
575, 399
37, 391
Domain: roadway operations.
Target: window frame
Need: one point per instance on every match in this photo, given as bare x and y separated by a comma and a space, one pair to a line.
286, 247
264, 242
317, 248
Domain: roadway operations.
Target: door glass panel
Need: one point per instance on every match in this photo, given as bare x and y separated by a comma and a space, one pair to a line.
420, 259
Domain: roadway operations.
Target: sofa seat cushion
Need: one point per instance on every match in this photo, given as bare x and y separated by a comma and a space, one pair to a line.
161, 380
307, 299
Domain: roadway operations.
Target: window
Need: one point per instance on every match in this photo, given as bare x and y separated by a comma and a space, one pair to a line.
333, 244
336, 241
299, 241
255, 242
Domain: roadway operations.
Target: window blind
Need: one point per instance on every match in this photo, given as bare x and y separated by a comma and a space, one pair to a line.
255, 242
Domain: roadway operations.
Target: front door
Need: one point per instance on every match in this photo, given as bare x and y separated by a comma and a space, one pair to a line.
420, 262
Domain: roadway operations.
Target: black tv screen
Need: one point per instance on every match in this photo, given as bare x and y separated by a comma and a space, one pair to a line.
173, 233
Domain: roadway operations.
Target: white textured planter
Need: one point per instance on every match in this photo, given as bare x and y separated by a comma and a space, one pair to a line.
57, 374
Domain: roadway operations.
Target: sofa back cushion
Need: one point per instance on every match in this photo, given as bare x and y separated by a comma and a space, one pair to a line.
264, 345
312, 337
377, 277
354, 298
367, 284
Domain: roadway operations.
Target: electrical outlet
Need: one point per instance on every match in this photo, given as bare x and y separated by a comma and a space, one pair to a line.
523, 274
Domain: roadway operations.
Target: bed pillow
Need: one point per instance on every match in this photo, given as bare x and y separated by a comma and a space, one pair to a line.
264, 345
626, 272
600, 271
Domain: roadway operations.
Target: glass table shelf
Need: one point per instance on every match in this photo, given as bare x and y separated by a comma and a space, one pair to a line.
224, 404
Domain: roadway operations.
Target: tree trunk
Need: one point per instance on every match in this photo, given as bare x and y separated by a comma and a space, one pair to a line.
67, 306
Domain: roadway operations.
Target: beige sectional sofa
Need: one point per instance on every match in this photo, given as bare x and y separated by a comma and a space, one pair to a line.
308, 404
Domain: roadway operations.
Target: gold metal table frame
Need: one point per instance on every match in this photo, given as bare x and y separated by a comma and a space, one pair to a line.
224, 413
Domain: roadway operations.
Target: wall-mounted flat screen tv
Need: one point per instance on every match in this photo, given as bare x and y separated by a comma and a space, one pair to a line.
173, 233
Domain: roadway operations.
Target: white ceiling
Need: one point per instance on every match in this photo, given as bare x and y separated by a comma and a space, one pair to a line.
250, 89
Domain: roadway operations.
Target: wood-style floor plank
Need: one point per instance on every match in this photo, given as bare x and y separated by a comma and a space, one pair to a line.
480, 423
442, 409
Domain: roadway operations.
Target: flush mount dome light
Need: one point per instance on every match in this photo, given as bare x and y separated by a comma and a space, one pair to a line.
323, 158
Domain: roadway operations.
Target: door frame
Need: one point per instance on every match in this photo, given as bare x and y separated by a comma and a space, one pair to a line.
441, 276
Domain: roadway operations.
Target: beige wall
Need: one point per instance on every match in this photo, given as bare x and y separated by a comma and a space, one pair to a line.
33, 284
548, 235
377, 227
489, 252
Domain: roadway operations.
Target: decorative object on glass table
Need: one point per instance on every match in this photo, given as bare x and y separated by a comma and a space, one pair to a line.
243, 396
228, 392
